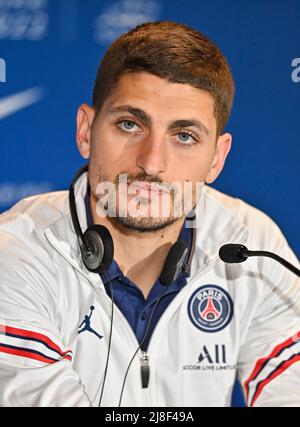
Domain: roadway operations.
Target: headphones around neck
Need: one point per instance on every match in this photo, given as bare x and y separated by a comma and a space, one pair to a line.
97, 247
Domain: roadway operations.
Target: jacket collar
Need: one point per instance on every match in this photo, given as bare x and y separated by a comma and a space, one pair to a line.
61, 234
215, 226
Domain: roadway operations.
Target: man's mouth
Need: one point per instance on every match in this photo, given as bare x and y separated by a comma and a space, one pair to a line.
147, 187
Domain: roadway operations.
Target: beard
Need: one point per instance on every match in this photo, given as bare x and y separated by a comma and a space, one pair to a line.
144, 225
140, 218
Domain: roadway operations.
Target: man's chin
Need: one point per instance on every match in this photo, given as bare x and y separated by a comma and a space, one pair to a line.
144, 225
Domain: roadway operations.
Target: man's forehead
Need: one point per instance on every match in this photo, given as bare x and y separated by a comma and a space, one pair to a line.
147, 82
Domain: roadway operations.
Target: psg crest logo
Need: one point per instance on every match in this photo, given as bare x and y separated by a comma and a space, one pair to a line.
210, 308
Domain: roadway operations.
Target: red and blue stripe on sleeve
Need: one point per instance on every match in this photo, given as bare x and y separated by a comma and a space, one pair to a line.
30, 345
270, 367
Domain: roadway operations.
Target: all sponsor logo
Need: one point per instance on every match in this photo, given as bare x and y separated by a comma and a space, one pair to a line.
211, 358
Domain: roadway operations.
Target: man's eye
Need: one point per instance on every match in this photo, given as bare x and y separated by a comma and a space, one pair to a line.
126, 125
186, 138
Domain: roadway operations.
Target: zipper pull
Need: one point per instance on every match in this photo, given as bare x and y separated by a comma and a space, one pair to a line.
145, 369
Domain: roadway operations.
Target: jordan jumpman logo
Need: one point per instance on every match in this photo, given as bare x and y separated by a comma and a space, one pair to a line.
87, 324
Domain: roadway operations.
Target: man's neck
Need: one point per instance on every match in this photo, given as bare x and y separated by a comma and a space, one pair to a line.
140, 256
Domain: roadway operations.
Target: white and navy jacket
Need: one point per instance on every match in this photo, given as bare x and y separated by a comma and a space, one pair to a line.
229, 320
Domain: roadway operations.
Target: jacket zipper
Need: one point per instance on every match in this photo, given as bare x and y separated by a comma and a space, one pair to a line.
145, 369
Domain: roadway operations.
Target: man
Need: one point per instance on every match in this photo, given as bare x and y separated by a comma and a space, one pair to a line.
162, 98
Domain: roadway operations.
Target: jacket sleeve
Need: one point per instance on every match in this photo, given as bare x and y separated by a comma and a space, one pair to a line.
269, 358
35, 366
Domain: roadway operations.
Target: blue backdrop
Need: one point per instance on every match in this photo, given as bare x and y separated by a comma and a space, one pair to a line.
49, 53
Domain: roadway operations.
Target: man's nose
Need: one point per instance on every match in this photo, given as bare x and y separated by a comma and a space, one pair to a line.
152, 156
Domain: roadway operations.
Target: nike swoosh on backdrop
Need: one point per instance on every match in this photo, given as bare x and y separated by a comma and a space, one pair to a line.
14, 103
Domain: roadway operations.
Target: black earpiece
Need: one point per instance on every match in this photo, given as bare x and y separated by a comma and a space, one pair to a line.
174, 263
98, 252
96, 244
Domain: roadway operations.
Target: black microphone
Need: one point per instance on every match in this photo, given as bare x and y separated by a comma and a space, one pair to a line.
235, 253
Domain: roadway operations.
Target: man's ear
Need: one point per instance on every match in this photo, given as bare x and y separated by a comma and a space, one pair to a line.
85, 117
223, 147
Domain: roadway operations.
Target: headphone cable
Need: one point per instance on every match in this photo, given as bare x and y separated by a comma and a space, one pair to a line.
141, 343
110, 337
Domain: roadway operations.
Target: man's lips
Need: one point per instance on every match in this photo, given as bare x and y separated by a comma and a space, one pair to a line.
150, 187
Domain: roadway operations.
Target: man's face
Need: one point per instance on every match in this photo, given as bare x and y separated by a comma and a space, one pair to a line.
155, 132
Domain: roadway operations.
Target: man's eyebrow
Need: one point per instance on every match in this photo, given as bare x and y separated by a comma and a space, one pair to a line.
134, 111
190, 122
147, 119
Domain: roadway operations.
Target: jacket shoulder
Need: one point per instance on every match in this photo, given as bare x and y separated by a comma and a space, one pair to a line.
24, 250
42, 209
28, 219
264, 232
28, 274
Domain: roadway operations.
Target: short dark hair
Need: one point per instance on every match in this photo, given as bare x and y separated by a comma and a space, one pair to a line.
174, 52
